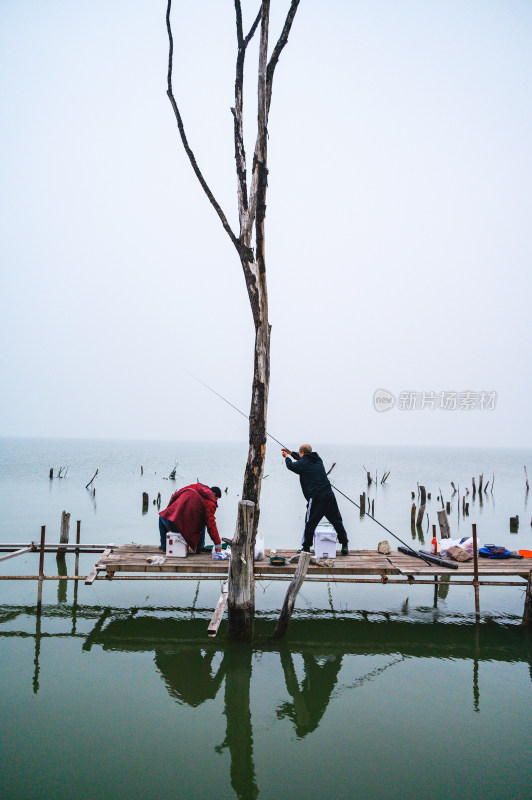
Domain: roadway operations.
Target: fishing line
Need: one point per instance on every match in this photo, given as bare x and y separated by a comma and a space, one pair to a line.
287, 448
230, 404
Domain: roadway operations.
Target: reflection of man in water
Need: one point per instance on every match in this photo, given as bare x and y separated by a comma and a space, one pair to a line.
188, 674
310, 700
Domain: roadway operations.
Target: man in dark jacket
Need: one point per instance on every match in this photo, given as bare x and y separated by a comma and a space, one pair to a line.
189, 511
319, 495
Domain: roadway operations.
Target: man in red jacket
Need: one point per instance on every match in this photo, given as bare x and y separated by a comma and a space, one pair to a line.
189, 512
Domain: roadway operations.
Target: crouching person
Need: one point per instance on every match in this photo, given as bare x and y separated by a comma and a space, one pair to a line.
190, 512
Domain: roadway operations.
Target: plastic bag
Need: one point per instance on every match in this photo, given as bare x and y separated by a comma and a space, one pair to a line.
259, 548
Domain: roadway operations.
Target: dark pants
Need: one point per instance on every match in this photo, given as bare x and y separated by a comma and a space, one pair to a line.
165, 525
323, 505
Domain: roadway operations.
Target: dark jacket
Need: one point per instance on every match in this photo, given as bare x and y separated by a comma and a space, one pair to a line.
190, 509
312, 475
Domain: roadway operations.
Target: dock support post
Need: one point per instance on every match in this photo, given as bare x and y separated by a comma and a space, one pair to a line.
78, 538
241, 580
64, 533
475, 571
527, 615
290, 599
41, 567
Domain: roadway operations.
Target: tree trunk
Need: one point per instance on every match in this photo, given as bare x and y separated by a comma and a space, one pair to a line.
241, 580
252, 214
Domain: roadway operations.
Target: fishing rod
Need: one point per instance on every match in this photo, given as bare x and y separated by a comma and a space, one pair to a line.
418, 555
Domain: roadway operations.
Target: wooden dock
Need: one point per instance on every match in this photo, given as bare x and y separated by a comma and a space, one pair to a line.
146, 562
358, 566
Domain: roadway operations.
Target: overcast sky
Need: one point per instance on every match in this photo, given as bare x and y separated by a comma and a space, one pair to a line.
398, 223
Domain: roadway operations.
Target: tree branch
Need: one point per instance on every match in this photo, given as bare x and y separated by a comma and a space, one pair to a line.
238, 113
253, 28
186, 145
259, 155
283, 38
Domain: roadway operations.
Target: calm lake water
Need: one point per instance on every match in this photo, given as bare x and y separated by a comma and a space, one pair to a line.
115, 690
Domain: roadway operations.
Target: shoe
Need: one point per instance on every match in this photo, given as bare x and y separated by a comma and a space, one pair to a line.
345, 549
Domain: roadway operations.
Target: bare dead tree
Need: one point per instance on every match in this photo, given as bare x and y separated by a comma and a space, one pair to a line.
249, 245
91, 480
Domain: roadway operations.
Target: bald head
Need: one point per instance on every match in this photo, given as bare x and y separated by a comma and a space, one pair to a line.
304, 449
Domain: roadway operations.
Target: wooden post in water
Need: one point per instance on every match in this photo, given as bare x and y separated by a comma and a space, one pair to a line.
474, 487
241, 581
145, 502
422, 502
64, 533
293, 589
41, 567
527, 615
362, 504
78, 537
444, 524
475, 571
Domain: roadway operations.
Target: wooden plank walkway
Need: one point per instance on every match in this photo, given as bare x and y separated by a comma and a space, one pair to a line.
136, 559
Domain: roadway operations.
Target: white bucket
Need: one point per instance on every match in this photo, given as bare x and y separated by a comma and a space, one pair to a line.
176, 545
325, 542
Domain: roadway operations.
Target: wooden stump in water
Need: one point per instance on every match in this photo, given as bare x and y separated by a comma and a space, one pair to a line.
145, 502
527, 615
64, 533
241, 581
444, 524
422, 502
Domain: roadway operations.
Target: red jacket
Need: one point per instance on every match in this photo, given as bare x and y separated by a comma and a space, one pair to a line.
190, 509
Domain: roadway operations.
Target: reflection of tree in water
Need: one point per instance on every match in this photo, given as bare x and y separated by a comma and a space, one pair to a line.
311, 698
190, 678
194, 668
239, 733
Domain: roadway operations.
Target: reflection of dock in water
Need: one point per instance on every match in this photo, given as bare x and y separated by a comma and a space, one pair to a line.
194, 668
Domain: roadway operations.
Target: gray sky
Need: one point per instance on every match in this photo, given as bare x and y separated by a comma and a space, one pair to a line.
398, 243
